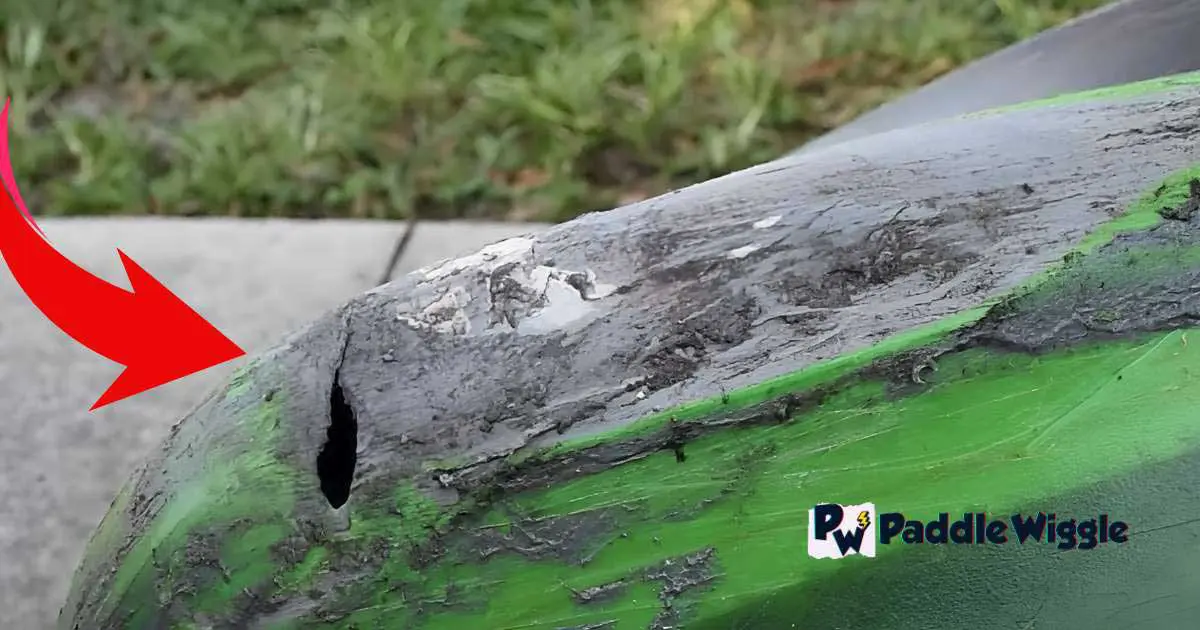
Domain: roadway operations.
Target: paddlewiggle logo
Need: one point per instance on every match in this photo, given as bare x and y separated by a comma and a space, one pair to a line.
838, 531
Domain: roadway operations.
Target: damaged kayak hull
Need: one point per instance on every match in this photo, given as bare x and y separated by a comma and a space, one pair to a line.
624, 422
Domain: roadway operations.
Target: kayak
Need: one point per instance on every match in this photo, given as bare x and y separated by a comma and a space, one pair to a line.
937, 376
624, 422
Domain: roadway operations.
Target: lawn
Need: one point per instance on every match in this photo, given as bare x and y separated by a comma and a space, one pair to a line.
511, 109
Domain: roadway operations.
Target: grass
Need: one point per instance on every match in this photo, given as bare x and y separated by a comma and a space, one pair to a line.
521, 110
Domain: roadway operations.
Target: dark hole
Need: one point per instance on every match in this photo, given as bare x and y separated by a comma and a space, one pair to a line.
335, 462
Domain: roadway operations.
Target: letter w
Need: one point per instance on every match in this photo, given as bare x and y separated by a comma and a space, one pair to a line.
847, 541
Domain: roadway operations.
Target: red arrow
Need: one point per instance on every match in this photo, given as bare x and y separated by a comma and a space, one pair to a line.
149, 330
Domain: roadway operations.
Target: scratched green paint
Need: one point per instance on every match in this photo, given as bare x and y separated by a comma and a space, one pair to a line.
819, 374
294, 580
113, 528
218, 498
996, 431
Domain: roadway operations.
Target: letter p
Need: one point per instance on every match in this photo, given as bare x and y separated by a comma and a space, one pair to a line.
826, 518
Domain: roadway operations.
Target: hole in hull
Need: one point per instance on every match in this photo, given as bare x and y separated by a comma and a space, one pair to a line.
338, 457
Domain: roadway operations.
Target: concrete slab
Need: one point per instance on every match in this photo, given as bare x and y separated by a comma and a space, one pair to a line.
255, 280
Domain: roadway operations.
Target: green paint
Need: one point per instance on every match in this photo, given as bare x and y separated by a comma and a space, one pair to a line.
994, 431
240, 382
1115, 92
250, 486
803, 380
247, 562
405, 521
305, 573
1142, 214
1126, 269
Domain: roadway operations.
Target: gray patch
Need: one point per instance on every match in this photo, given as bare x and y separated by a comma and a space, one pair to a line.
1088, 302
721, 323
895, 250
678, 576
1141, 282
599, 594
573, 538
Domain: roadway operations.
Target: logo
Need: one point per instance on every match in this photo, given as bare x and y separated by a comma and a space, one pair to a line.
837, 531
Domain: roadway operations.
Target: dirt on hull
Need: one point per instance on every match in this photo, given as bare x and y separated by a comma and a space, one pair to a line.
340, 479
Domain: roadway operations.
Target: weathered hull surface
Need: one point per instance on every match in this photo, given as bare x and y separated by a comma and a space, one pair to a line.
622, 422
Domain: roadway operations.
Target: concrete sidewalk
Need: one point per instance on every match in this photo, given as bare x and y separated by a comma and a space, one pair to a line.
255, 280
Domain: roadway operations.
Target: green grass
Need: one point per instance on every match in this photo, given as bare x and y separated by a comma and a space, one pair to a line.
537, 109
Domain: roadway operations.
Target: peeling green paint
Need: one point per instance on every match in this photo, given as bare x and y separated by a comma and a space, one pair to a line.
405, 522
220, 497
994, 430
305, 572
1143, 214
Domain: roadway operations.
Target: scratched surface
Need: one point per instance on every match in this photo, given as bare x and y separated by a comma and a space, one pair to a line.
456, 371
59, 465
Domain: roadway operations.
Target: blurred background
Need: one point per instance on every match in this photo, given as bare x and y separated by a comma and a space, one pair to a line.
523, 110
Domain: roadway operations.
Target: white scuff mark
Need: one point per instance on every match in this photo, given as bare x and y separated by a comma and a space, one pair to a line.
743, 252
563, 299
520, 295
763, 224
486, 260
446, 314
602, 291
595, 290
